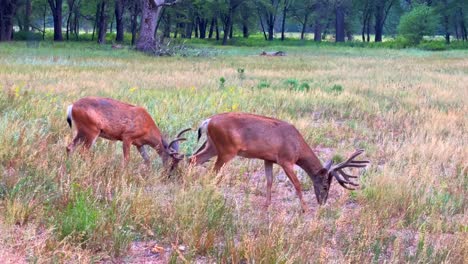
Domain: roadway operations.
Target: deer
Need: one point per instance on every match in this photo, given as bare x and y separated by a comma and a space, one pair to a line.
275, 142
110, 119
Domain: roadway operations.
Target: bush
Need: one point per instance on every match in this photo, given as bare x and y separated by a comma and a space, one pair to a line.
335, 89
28, 36
420, 21
80, 218
263, 84
433, 45
291, 83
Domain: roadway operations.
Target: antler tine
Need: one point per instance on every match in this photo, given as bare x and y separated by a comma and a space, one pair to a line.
173, 142
182, 132
346, 176
350, 162
342, 181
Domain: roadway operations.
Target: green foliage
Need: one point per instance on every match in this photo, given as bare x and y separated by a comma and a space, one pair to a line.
419, 22
241, 73
433, 45
80, 218
335, 89
263, 84
291, 83
201, 214
222, 82
28, 36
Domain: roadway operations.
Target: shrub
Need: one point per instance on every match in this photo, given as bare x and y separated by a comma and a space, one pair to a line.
202, 215
336, 88
292, 83
222, 82
433, 45
80, 217
263, 84
420, 21
28, 36
304, 87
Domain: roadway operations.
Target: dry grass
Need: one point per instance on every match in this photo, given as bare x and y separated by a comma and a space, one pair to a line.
406, 108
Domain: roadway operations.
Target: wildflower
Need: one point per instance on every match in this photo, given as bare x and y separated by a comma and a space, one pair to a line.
133, 89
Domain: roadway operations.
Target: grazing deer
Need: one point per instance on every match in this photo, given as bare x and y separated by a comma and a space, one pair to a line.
96, 117
274, 141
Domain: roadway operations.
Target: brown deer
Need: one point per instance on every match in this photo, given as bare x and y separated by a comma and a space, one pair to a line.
274, 141
96, 117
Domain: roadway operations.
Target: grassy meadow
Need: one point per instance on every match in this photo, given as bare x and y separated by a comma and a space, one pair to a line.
406, 108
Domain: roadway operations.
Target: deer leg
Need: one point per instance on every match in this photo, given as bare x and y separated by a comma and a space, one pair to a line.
221, 160
127, 143
288, 168
204, 154
144, 154
78, 139
269, 178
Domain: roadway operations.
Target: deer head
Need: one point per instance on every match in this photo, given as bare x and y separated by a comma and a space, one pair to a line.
325, 176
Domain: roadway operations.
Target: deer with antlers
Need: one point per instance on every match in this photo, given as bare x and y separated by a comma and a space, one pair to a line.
96, 117
274, 141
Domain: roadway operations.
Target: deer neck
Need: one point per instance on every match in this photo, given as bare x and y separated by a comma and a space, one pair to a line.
310, 164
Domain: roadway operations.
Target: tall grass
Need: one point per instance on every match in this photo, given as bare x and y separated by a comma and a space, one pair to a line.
406, 108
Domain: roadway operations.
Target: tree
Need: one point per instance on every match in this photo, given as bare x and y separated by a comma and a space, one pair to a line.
339, 21
56, 8
7, 12
382, 9
420, 21
268, 11
71, 8
119, 21
227, 17
286, 7
301, 12
102, 21
151, 12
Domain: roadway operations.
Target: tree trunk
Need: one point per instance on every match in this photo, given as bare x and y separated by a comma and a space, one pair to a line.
231, 30
7, 13
339, 24
27, 17
463, 31
217, 29
196, 25
318, 30
119, 13
379, 21
102, 25
111, 26
44, 22
271, 27
134, 25
227, 26
210, 33
188, 30
283, 22
150, 17
245, 30
304, 26
202, 27
71, 5
56, 8
76, 28
96, 20
167, 26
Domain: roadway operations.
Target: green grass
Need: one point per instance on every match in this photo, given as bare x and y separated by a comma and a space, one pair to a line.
406, 108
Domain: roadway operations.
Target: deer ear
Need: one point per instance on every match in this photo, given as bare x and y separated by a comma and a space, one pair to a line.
322, 171
328, 165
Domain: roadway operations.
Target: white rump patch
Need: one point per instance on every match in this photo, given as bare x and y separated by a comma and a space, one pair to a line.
69, 112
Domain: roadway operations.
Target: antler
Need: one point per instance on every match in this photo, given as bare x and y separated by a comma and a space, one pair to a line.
174, 153
344, 178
